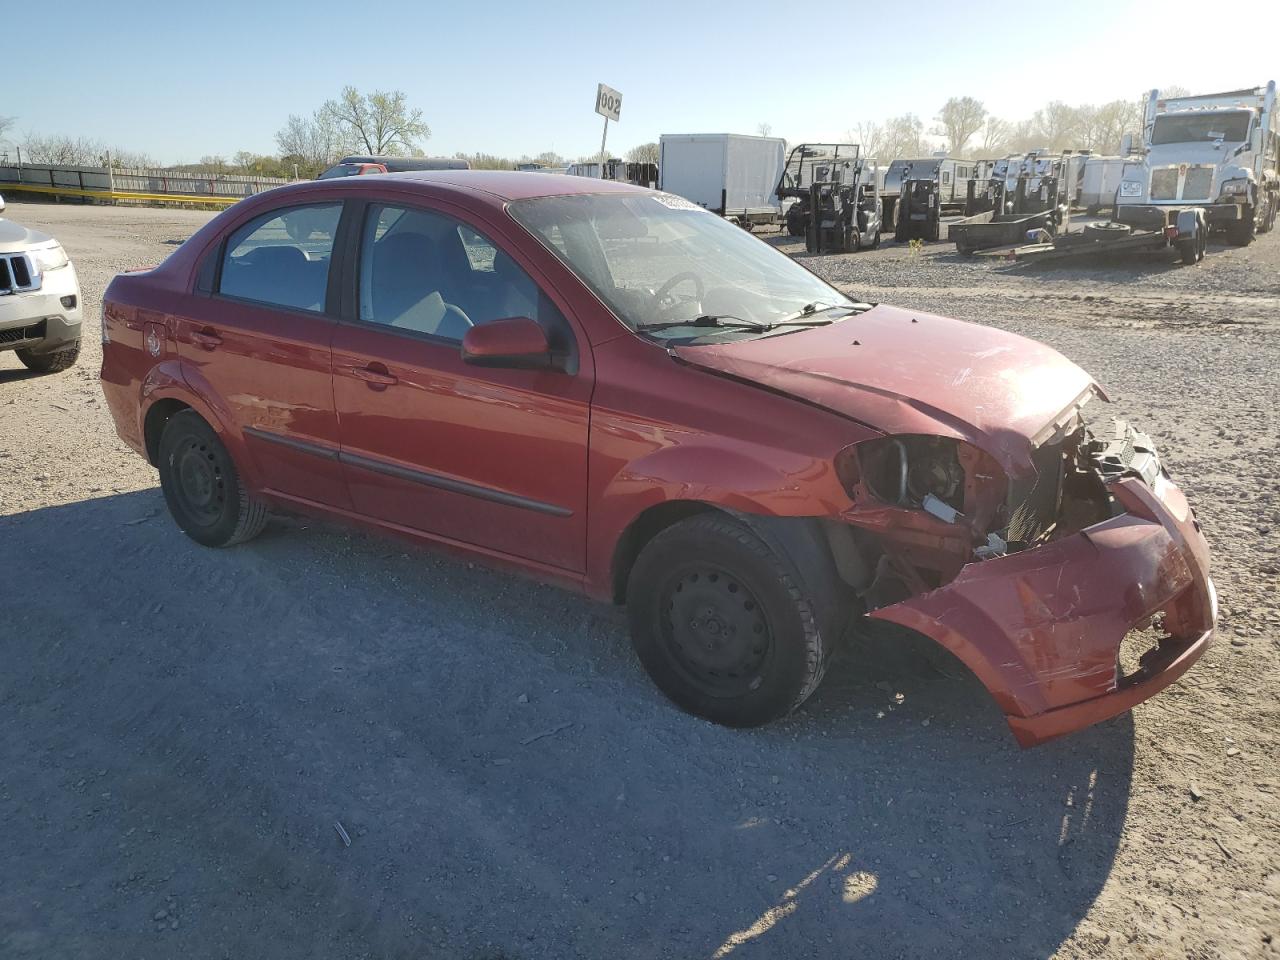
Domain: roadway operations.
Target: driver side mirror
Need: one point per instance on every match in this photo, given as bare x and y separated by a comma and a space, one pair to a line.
516, 343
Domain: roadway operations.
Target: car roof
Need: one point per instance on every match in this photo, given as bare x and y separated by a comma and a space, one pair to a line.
502, 184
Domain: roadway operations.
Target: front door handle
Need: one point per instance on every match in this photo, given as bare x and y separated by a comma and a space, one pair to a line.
206, 338
376, 375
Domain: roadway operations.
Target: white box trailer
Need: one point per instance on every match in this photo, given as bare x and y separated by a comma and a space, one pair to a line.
728, 173
1099, 180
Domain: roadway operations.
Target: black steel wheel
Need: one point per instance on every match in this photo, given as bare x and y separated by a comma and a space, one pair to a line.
202, 486
722, 623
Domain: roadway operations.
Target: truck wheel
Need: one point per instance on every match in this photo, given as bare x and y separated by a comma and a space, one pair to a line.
1269, 218
53, 362
1240, 233
202, 486
722, 624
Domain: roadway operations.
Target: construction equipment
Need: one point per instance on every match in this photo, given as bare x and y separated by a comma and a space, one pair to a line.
919, 213
814, 163
844, 217
1036, 202
1184, 232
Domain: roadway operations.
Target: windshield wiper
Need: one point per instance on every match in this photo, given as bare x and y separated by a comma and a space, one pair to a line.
708, 320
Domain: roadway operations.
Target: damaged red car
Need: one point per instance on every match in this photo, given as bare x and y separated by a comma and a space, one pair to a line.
613, 390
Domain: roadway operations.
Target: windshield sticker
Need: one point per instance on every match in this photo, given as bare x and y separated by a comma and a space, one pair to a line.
673, 202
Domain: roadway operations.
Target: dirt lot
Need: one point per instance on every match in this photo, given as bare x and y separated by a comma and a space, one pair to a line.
183, 727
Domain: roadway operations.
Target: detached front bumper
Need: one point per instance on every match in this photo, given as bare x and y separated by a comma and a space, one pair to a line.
1042, 628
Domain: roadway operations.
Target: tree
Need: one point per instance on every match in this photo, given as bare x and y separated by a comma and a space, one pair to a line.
313, 143
903, 138
961, 118
869, 137
70, 151
764, 129
1057, 125
380, 122
995, 136
644, 153
6, 124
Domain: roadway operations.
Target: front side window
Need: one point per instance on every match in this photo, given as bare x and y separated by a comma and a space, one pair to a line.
282, 258
665, 266
428, 273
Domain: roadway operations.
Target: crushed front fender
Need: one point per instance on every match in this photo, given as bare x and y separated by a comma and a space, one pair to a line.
1042, 628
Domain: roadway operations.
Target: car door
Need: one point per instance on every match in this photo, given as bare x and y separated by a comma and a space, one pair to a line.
257, 344
491, 457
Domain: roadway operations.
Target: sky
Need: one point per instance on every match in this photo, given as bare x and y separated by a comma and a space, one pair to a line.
179, 82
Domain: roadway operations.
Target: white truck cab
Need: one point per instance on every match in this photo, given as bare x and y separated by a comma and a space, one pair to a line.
1215, 152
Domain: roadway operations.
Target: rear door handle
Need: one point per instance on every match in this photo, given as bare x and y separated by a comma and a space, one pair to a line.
206, 338
374, 376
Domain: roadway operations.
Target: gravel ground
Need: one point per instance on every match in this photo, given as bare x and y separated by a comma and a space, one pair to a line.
185, 727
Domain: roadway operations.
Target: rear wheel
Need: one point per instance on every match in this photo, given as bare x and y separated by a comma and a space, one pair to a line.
53, 362
203, 488
722, 623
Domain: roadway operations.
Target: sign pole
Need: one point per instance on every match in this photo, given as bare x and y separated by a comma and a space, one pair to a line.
604, 136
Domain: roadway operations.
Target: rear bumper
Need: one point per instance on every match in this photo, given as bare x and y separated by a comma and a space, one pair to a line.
1155, 216
1042, 628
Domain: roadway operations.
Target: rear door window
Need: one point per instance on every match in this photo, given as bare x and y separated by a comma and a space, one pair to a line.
282, 258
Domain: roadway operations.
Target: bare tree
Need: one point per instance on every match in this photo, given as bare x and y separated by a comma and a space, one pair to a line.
869, 137
316, 141
764, 129
71, 151
6, 124
903, 138
995, 136
646, 153
961, 118
381, 122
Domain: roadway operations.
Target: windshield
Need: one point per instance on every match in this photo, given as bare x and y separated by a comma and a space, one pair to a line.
1231, 127
340, 170
658, 260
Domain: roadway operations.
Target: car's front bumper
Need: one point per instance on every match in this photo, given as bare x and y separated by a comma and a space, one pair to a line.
38, 320
1042, 628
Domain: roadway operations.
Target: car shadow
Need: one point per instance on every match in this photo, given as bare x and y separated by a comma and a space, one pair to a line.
198, 724
17, 375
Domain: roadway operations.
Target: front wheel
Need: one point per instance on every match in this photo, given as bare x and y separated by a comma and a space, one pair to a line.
64, 358
202, 486
722, 623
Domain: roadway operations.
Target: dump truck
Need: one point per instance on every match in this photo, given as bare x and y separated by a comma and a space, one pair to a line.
1216, 152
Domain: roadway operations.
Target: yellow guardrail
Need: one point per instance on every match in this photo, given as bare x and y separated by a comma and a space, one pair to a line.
117, 194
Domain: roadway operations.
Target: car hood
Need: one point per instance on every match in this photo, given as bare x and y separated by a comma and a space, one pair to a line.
15, 237
903, 372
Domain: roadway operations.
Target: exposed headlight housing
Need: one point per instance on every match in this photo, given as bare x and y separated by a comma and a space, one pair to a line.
50, 258
1235, 188
904, 470
1130, 188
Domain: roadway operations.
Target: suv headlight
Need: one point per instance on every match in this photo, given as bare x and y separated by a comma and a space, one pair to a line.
1130, 188
51, 258
1235, 188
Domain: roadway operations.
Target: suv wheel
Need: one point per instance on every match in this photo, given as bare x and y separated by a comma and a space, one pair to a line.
53, 362
722, 624
202, 487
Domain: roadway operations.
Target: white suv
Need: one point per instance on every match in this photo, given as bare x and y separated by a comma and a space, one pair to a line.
39, 299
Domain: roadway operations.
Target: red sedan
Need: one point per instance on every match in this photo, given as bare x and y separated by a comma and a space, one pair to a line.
613, 390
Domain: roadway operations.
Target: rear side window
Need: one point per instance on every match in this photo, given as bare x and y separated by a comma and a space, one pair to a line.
282, 258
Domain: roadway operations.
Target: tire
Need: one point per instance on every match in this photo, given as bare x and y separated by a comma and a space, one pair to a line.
203, 488
1269, 221
875, 243
1106, 231
722, 623
795, 223
1240, 233
1189, 250
56, 361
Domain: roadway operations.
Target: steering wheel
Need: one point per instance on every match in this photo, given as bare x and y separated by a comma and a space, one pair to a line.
666, 301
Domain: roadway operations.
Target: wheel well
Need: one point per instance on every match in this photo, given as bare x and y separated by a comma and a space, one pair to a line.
644, 528
157, 416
